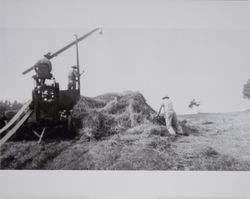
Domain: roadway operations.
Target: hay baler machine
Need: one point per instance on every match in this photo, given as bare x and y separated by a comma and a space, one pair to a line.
50, 107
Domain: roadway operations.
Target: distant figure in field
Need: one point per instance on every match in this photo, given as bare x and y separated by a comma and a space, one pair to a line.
43, 70
72, 78
170, 116
3, 120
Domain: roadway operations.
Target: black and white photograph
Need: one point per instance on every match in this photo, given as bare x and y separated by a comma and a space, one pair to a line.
125, 98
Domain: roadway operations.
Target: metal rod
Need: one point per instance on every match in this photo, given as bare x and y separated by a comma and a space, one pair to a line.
64, 48
77, 65
73, 43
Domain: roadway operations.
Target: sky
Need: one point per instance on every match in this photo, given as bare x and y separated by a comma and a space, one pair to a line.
193, 49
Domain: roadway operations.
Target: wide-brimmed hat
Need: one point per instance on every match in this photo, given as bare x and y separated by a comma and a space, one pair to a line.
165, 97
73, 67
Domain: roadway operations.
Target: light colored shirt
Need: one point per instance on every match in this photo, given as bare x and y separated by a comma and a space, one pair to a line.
167, 106
73, 75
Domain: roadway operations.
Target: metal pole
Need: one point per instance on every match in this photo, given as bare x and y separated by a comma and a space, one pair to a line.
66, 47
77, 64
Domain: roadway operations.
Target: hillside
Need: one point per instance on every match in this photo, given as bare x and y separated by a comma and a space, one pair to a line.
119, 132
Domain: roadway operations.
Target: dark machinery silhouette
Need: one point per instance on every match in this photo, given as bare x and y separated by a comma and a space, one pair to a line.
50, 107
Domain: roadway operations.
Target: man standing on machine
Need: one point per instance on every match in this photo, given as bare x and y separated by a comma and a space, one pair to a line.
72, 78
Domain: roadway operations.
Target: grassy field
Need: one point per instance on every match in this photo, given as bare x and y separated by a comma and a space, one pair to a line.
223, 142
117, 132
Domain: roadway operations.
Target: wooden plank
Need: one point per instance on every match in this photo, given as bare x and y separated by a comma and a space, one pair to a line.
41, 136
15, 128
16, 117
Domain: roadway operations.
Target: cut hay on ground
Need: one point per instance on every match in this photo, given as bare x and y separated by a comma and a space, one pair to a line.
117, 132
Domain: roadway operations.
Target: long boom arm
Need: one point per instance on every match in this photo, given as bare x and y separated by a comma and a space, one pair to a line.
64, 48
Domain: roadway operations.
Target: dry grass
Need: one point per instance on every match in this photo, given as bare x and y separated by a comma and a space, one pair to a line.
118, 132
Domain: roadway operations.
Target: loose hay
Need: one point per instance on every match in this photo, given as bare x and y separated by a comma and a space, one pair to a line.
115, 131
110, 114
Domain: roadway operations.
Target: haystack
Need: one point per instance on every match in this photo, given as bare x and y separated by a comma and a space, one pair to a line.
111, 113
